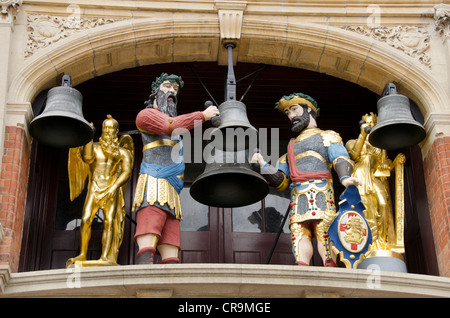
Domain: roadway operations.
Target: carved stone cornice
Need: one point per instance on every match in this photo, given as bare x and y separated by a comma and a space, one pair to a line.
231, 15
44, 30
9, 10
230, 18
5, 276
442, 19
412, 40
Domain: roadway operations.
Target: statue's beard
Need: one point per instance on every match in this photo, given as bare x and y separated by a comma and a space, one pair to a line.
300, 122
167, 103
109, 145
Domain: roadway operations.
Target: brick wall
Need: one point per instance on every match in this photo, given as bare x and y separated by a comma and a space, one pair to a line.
437, 178
13, 185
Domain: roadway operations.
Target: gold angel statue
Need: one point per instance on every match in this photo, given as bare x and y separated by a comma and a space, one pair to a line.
374, 168
107, 165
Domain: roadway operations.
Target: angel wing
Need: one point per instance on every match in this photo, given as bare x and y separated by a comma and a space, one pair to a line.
78, 172
126, 142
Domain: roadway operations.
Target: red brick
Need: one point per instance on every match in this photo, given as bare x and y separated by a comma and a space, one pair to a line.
437, 178
13, 175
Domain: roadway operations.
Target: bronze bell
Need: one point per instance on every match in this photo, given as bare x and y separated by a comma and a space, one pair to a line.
396, 127
62, 124
228, 181
235, 130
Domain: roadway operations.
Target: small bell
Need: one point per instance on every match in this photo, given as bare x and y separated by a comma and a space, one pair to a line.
396, 127
235, 130
62, 124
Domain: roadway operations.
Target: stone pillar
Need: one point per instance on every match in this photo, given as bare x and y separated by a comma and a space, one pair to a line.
442, 23
14, 148
8, 10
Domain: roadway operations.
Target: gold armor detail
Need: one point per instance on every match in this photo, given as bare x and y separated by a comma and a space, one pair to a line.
310, 191
328, 136
350, 161
139, 191
158, 143
152, 190
324, 217
305, 134
284, 184
158, 190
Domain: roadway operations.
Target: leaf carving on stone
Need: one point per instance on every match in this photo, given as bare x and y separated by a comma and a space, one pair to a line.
44, 30
413, 40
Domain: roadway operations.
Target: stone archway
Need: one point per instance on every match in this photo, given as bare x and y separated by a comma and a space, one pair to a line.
136, 42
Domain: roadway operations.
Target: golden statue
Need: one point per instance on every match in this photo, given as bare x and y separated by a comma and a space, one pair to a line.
108, 164
374, 168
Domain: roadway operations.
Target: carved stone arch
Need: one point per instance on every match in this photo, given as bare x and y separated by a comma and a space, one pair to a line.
343, 54
321, 48
116, 46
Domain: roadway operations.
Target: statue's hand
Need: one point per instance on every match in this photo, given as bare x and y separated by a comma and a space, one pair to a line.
107, 193
258, 158
351, 181
211, 112
365, 128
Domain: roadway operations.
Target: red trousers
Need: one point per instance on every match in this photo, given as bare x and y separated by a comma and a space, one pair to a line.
152, 220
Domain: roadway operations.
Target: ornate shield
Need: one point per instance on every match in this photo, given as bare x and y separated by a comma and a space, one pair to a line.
349, 233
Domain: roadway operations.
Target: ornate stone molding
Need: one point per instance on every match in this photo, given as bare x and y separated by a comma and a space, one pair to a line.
5, 276
20, 115
8, 10
236, 280
231, 14
442, 19
412, 40
44, 30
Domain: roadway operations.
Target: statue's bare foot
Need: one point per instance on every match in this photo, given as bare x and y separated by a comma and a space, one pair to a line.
107, 261
72, 260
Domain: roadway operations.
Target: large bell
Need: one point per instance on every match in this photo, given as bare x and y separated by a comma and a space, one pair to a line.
62, 124
396, 127
228, 181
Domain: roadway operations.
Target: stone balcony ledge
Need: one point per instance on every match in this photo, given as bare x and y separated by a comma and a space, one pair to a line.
219, 280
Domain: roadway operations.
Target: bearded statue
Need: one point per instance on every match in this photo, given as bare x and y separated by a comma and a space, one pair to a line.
107, 164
